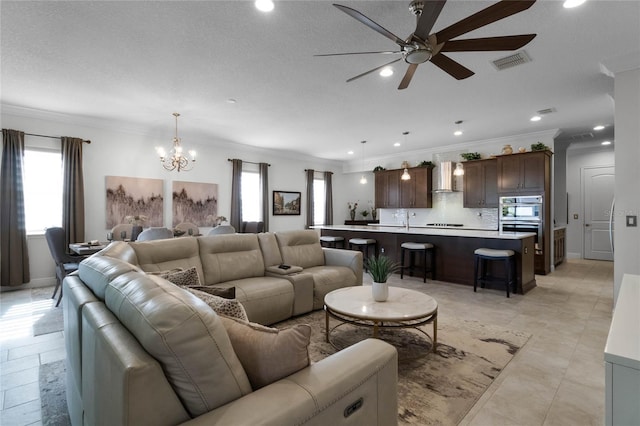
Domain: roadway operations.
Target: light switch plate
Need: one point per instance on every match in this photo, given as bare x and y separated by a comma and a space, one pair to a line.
632, 220
575, 216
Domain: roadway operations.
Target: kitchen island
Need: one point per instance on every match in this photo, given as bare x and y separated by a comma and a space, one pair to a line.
453, 248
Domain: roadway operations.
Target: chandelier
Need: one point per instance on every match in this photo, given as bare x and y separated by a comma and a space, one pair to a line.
176, 159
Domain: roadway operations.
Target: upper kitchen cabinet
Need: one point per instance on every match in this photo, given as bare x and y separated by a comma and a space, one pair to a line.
524, 173
387, 189
416, 192
393, 192
480, 183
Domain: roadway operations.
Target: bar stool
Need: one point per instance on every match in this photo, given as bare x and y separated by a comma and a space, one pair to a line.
363, 245
331, 241
482, 255
414, 248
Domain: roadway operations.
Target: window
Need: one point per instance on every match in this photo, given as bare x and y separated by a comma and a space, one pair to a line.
42, 189
318, 201
251, 196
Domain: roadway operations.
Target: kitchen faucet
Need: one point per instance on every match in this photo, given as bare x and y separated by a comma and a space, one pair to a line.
406, 222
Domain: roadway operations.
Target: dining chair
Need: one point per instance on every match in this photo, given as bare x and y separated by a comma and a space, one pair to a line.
186, 227
122, 231
222, 229
252, 227
155, 234
65, 262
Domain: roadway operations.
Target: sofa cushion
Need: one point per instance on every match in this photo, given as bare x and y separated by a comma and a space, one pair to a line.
184, 335
301, 248
230, 257
163, 255
228, 307
97, 271
120, 250
268, 354
270, 249
329, 278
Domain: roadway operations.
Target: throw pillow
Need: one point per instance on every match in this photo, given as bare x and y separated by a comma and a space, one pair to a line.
229, 307
227, 293
268, 354
182, 278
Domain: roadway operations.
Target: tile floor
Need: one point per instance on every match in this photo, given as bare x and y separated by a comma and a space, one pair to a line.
556, 379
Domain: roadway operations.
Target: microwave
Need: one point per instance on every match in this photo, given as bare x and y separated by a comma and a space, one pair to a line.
521, 208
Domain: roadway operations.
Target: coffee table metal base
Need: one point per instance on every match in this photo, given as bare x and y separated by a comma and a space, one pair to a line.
378, 324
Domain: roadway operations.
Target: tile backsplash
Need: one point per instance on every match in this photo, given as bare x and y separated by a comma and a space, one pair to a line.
447, 208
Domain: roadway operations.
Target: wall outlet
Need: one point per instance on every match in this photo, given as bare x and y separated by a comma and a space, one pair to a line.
381, 249
632, 220
575, 216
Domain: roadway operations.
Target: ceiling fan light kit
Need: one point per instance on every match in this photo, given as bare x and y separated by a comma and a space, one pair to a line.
421, 46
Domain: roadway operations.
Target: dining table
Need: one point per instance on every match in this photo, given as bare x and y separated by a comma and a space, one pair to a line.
87, 248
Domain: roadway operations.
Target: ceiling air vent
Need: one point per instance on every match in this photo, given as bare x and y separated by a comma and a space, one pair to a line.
582, 136
546, 111
517, 58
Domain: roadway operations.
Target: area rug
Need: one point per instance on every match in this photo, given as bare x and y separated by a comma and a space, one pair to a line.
49, 317
53, 395
433, 388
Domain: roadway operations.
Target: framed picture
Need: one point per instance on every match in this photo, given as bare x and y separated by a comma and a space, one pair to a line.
286, 203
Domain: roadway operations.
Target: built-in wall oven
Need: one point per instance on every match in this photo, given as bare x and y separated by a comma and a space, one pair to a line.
523, 213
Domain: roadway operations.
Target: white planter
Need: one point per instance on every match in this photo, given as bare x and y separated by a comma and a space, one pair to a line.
380, 291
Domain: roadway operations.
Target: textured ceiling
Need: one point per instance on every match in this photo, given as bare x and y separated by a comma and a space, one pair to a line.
135, 63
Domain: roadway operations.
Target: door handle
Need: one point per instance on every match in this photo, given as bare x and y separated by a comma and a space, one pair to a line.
587, 225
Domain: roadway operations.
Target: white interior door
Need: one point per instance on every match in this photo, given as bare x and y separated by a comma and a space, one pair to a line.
598, 189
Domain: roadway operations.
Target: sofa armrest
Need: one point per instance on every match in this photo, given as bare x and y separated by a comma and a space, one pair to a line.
302, 289
340, 257
357, 385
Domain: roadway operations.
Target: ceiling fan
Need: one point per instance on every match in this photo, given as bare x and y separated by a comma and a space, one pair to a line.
421, 46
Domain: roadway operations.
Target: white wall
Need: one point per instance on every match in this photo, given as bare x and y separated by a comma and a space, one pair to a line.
577, 160
627, 158
131, 153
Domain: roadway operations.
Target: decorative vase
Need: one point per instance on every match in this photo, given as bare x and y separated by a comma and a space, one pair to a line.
352, 213
522, 149
507, 149
380, 291
374, 214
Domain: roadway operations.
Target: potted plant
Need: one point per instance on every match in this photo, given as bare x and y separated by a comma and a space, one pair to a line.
470, 156
378, 169
380, 268
539, 147
364, 214
426, 164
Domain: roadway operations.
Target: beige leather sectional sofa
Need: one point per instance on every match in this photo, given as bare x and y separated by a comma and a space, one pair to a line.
143, 351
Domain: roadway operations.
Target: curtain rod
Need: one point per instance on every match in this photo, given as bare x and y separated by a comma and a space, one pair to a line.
319, 171
250, 162
50, 137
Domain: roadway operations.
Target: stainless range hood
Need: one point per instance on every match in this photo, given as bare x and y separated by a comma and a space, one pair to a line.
444, 178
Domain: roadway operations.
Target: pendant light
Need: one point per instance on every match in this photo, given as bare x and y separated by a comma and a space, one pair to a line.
405, 174
363, 179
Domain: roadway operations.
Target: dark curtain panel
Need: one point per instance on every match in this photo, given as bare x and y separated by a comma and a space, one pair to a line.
236, 195
72, 190
264, 188
14, 254
328, 196
309, 219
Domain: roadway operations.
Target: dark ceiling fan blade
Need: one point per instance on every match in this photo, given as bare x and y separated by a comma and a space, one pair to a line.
386, 52
373, 70
488, 44
451, 67
430, 14
369, 23
486, 16
407, 76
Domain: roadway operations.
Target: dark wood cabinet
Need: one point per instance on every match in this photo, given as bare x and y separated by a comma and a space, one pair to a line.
524, 173
393, 192
559, 237
480, 183
387, 189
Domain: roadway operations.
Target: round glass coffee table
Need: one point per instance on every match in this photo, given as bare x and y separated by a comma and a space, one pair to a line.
403, 309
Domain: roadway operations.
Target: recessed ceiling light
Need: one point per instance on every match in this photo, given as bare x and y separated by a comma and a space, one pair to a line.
605, 143
350, 152
231, 101
264, 5
457, 132
598, 127
396, 144
536, 118
568, 4
386, 72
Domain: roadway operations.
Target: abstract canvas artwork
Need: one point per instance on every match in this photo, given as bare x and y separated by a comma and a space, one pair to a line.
195, 202
129, 196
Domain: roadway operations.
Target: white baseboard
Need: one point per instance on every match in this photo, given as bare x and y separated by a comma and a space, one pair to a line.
34, 283
574, 255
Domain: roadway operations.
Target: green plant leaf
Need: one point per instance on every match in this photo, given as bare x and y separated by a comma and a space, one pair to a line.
380, 268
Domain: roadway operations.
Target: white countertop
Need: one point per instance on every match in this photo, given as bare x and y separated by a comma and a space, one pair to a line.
450, 232
623, 342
